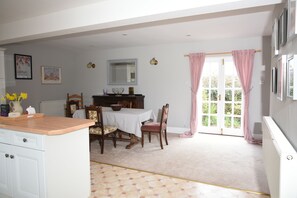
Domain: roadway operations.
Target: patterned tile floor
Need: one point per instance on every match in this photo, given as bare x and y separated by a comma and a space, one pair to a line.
119, 182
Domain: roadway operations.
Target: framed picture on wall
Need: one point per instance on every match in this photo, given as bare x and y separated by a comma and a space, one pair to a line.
281, 77
273, 80
23, 66
291, 77
51, 75
292, 19
274, 38
282, 28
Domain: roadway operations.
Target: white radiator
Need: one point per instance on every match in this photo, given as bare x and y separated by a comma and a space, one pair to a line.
280, 161
53, 107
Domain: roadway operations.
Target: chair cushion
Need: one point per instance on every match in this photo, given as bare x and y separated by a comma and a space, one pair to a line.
151, 126
107, 129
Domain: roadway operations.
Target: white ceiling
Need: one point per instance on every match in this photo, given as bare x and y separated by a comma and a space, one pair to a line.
247, 22
13, 10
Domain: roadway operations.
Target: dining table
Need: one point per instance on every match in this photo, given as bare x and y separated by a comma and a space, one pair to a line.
128, 120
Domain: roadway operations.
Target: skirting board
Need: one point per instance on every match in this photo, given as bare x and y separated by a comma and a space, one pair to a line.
177, 130
180, 130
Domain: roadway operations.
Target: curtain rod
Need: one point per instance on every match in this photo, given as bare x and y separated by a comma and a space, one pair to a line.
219, 53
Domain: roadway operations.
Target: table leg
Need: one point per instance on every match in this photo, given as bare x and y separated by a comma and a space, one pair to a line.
128, 137
133, 141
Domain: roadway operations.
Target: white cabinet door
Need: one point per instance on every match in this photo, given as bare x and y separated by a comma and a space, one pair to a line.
5, 171
28, 173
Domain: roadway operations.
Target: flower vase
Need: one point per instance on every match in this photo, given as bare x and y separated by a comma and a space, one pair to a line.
15, 106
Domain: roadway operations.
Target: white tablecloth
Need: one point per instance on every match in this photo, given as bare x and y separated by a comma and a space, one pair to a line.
127, 120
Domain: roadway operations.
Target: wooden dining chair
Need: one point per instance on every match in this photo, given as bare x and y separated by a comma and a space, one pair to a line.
99, 131
156, 127
71, 99
71, 107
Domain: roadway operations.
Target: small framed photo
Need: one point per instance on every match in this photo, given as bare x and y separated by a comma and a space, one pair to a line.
282, 28
51, 75
23, 66
281, 77
274, 80
292, 19
274, 38
291, 77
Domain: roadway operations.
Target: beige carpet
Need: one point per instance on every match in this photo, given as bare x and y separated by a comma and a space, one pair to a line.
219, 160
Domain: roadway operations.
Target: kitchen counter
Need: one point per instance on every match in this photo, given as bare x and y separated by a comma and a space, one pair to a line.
44, 157
45, 125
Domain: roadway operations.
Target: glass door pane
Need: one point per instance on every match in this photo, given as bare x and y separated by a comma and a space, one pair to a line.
209, 97
220, 98
233, 104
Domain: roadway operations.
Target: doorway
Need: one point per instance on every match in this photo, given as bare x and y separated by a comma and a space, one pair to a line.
220, 98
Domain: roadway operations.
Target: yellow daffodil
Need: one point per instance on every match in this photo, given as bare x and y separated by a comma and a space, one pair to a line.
15, 97
23, 96
10, 97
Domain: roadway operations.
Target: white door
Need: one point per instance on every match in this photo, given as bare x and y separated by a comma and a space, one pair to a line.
28, 173
220, 98
5, 171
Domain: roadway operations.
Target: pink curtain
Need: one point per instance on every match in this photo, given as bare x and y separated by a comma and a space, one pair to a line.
244, 62
196, 65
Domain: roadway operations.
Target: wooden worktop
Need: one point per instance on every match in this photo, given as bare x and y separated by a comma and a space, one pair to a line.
46, 125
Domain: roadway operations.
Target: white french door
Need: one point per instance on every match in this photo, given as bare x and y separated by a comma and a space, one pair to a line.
220, 98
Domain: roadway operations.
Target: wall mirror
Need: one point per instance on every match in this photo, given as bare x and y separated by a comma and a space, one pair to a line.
122, 72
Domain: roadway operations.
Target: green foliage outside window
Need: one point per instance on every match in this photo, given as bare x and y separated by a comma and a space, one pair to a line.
237, 123
213, 120
205, 94
213, 108
205, 108
237, 95
205, 120
237, 109
211, 95
227, 122
214, 95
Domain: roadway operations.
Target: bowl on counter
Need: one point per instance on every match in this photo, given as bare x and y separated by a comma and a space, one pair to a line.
116, 107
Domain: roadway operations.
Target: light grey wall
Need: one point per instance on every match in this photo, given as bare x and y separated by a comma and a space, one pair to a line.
266, 86
285, 112
167, 82
41, 56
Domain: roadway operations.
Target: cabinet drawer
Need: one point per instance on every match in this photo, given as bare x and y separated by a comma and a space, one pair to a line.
29, 140
5, 136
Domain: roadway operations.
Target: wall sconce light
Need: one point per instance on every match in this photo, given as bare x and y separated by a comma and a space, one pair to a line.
153, 61
91, 65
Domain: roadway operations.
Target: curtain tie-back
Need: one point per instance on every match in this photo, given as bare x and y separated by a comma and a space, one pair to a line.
248, 92
193, 91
